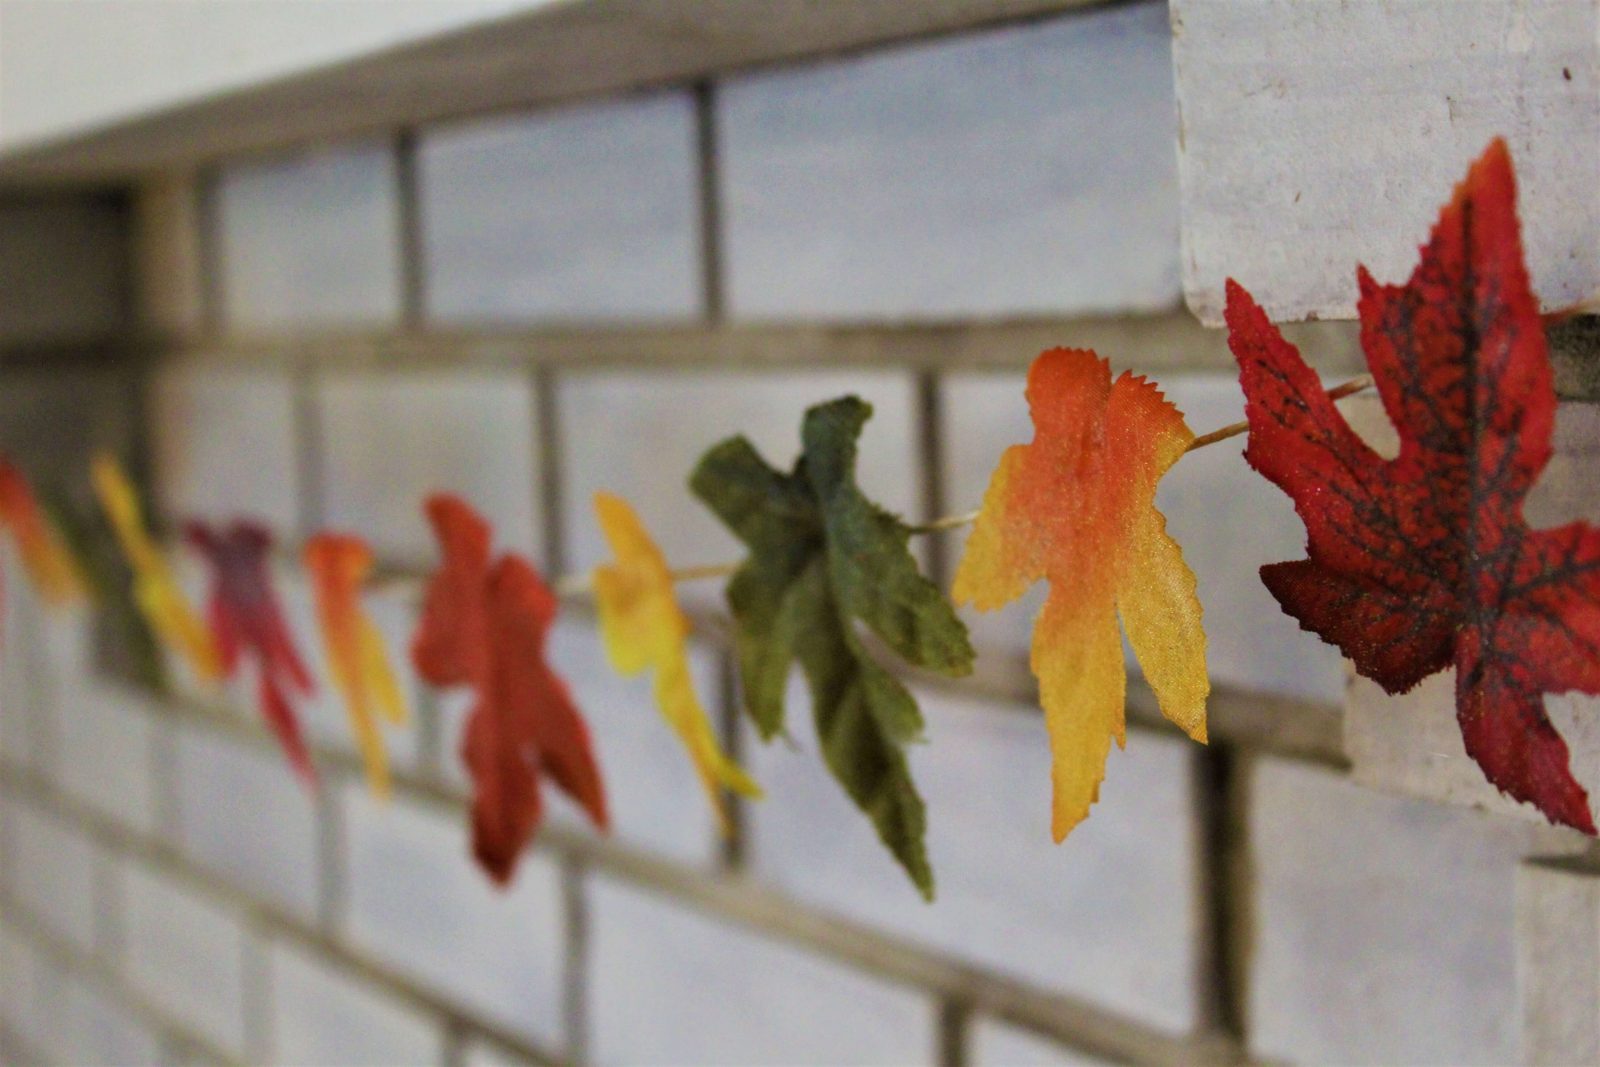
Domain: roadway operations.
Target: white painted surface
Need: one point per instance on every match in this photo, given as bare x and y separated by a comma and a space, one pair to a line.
186, 955
244, 814
51, 870
106, 735
390, 440
671, 986
1315, 136
586, 213
1029, 170
310, 240
70, 67
1383, 926
1105, 916
320, 1015
416, 901
998, 1044
1558, 963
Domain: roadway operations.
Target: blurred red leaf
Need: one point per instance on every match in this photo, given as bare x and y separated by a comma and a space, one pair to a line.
485, 626
246, 620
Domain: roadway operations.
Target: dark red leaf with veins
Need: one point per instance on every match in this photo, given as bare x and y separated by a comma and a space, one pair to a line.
1425, 561
247, 621
486, 626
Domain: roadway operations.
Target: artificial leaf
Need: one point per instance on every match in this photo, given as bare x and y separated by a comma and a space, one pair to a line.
644, 629
821, 556
155, 588
1076, 507
246, 621
57, 576
485, 626
357, 656
1425, 561
133, 650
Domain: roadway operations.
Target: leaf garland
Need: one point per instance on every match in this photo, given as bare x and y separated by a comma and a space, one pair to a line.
644, 629
247, 622
1077, 507
485, 626
155, 589
821, 556
1425, 562
51, 568
357, 657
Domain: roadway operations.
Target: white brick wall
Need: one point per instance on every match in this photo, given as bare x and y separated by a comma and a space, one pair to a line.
52, 871
187, 955
1027, 170
107, 737
322, 1016
311, 238
224, 446
996, 1044
584, 213
415, 901
1107, 916
389, 441
243, 815
93, 1027
1558, 962
670, 986
1383, 928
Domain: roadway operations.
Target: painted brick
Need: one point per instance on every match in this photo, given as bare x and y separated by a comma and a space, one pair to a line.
1316, 136
997, 1044
1097, 917
52, 871
310, 239
53, 418
96, 1028
1558, 962
651, 461
321, 1015
225, 447
390, 440
26, 977
187, 955
416, 901
484, 1054
243, 814
1022, 171
1250, 643
323, 715
669, 985
583, 213
654, 795
106, 752
1406, 910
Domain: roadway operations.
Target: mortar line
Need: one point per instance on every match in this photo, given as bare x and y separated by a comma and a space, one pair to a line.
931, 463
408, 206
709, 194
575, 976
1222, 888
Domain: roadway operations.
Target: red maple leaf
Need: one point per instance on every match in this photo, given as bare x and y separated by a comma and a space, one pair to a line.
485, 626
246, 620
1425, 561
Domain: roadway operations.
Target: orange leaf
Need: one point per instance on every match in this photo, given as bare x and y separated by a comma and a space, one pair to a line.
50, 566
485, 626
645, 629
1077, 507
357, 657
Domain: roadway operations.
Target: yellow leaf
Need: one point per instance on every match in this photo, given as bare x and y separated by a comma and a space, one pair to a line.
644, 629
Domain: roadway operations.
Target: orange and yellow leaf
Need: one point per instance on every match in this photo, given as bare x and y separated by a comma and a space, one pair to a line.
357, 656
45, 557
155, 588
644, 629
1076, 507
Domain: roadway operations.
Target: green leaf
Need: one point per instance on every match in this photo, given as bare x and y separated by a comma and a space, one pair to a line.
821, 557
